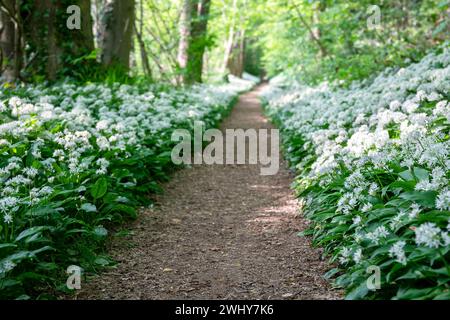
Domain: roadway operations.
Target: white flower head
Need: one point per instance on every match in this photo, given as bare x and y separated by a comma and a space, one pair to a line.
397, 252
428, 234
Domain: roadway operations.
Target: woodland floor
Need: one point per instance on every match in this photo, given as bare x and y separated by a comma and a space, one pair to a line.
218, 232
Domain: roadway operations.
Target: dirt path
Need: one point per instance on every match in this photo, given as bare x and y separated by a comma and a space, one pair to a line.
218, 232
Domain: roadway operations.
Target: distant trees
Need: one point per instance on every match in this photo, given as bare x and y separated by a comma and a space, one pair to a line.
236, 13
167, 40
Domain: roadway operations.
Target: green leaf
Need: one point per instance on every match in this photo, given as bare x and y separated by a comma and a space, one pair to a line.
99, 188
412, 293
7, 245
426, 199
100, 231
406, 175
30, 232
101, 261
130, 211
421, 174
8, 283
359, 292
88, 207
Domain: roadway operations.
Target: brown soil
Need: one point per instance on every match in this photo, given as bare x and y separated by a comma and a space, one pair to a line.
218, 232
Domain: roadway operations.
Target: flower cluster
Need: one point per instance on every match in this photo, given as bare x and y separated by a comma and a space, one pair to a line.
374, 164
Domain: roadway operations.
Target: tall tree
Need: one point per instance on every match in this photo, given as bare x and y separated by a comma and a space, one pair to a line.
10, 40
116, 32
199, 34
185, 33
193, 39
231, 37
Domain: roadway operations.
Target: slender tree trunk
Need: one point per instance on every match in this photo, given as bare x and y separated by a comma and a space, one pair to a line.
241, 63
185, 33
316, 31
323, 50
230, 41
142, 48
116, 32
228, 49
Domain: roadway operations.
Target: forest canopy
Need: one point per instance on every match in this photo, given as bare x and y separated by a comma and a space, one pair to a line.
188, 41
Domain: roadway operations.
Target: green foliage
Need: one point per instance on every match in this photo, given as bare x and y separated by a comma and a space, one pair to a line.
353, 50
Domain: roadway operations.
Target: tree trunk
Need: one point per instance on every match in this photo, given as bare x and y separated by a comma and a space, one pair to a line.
230, 42
193, 39
197, 48
116, 32
236, 58
185, 37
142, 48
83, 39
316, 33
10, 41
54, 53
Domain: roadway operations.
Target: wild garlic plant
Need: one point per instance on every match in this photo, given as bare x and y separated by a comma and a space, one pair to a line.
374, 167
76, 159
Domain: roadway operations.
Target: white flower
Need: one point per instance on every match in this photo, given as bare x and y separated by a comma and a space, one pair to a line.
373, 189
446, 238
30, 172
8, 218
428, 234
3, 107
357, 256
345, 255
397, 252
356, 220
415, 210
102, 125
367, 207
443, 200
397, 220
379, 233
8, 203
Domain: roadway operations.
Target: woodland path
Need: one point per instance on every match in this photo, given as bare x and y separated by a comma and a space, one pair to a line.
218, 232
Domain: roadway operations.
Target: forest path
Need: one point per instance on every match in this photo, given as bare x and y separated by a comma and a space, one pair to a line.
218, 232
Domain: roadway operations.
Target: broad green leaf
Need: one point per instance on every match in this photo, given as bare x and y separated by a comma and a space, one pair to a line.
88, 207
30, 232
99, 189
